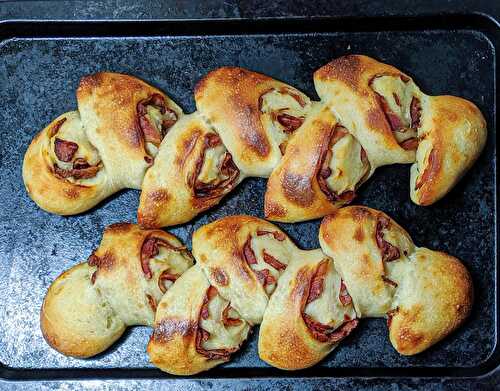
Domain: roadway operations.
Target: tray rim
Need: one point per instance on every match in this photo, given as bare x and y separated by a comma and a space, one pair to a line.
479, 22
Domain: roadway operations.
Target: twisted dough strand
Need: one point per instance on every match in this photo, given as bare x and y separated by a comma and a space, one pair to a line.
305, 301
316, 154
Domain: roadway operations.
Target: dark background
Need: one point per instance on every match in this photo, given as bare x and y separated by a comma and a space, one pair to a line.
257, 9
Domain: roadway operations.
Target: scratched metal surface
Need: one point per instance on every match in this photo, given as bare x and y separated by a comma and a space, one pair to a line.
38, 80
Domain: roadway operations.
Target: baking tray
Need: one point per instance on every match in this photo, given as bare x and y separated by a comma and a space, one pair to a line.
40, 65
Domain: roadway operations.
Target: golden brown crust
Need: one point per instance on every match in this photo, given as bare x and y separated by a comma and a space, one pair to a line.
440, 302
230, 98
425, 294
452, 136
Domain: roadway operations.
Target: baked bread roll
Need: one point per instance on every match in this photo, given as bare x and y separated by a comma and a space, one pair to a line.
378, 116
192, 172
195, 328
243, 257
62, 171
250, 272
308, 314
253, 114
391, 118
253, 267
371, 114
452, 135
85, 156
424, 294
88, 307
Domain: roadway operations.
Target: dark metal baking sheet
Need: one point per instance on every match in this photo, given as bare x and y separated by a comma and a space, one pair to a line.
40, 65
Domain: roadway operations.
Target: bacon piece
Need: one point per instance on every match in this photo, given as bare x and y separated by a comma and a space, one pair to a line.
410, 144
151, 133
65, 150
265, 277
80, 164
166, 276
270, 260
430, 170
77, 173
211, 293
389, 281
226, 320
150, 248
212, 140
344, 296
220, 276
317, 282
393, 119
152, 302
289, 122
216, 188
279, 236
396, 99
202, 335
388, 251
325, 333
415, 112
390, 314
248, 253
94, 276
294, 95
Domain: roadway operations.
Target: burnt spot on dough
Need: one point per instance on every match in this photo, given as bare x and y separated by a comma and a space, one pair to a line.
273, 209
159, 195
298, 189
71, 192
347, 69
119, 228
359, 213
168, 328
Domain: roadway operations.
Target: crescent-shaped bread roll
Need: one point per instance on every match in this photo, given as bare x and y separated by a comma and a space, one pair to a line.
195, 328
452, 135
75, 319
125, 119
308, 314
84, 156
243, 257
192, 172
320, 171
366, 106
425, 294
87, 308
62, 171
254, 115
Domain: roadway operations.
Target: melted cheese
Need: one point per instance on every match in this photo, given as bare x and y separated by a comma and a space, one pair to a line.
347, 167
387, 86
